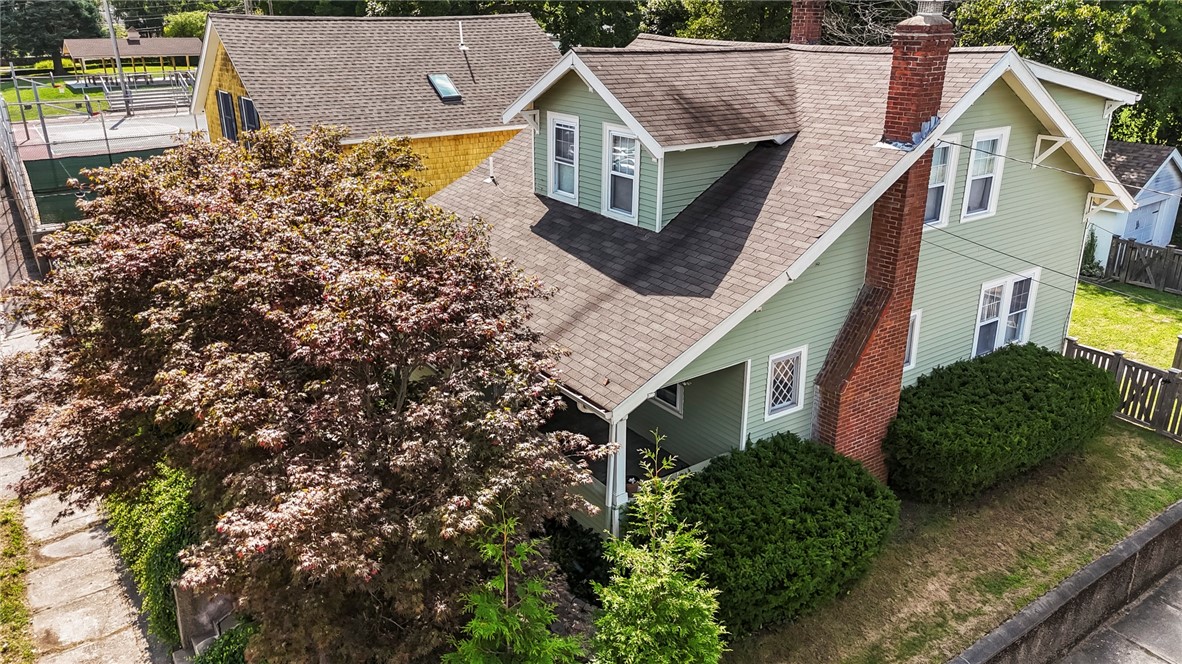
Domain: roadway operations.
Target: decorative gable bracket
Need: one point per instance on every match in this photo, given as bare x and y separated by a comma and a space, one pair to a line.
1100, 203
1111, 105
532, 119
1041, 154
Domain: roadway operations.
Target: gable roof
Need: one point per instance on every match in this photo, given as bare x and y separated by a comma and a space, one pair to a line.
1135, 164
144, 47
370, 73
636, 307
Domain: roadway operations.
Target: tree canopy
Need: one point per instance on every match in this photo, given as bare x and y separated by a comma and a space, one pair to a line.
185, 24
38, 28
345, 372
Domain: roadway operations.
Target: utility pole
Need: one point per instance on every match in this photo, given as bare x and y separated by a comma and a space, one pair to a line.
118, 61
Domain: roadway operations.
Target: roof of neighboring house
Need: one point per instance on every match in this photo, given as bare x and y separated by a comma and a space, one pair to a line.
370, 73
1135, 163
143, 47
631, 301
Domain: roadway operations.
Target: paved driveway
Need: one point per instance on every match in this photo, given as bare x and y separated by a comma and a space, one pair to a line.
1147, 632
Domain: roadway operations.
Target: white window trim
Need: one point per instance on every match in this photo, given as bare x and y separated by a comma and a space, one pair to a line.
679, 409
242, 112
1003, 143
552, 119
952, 141
1004, 313
913, 339
605, 207
801, 374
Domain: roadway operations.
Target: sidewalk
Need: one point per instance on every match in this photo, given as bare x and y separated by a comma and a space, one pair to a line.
80, 601
1148, 631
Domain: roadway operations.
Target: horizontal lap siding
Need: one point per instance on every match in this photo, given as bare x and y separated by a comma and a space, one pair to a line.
1039, 223
570, 96
1086, 111
809, 311
689, 173
713, 417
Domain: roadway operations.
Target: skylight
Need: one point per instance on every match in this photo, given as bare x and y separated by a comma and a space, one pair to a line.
446, 90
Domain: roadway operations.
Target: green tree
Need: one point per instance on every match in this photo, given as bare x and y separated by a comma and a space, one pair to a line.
655, 610
346, 373
511, 618
35, 27
760, 21
185, 24
1136, 45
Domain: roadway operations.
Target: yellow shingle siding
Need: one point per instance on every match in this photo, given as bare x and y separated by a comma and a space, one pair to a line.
449, 157
225, 79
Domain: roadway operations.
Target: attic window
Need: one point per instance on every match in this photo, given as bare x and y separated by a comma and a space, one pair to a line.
446, 90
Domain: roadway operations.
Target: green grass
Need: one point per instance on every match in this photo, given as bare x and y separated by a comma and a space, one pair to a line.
951, 574
1146, 326
16, 646
57, 95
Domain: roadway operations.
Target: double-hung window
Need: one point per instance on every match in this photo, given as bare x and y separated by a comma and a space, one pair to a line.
250, 115
942, 181
671, 398
985, 165
621, 173
564, 157
785, 383
1003, 313
226, 117
912, 340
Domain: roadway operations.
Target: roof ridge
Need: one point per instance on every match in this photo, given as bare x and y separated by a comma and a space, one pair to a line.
310, 19
599, 50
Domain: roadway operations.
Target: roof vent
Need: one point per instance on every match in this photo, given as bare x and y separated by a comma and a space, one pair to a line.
447, 91
133, 36
463, 46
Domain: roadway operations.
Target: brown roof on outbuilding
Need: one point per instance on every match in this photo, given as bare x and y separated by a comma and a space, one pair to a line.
1135, 163
370, 73
630, 301
144, 47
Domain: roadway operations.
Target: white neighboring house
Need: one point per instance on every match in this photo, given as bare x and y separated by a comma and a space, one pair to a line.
1153, 174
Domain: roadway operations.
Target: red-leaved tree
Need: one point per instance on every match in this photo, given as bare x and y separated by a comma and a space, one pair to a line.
346, 372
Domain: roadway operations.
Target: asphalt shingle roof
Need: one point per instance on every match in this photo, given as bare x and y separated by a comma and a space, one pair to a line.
370, 73
146, 47
630, 301
1135, 163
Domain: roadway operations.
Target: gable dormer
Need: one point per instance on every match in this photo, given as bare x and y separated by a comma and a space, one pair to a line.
634, 135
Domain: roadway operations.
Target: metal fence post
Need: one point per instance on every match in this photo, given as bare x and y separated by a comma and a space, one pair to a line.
41, 115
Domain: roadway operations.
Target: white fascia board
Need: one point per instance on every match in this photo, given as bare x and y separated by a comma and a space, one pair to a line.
1083, 83
204, 68
1144, 194
779, 139
569, 62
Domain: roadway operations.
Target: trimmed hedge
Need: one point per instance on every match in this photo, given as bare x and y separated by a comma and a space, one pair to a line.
151, 529
965, 427
789, 524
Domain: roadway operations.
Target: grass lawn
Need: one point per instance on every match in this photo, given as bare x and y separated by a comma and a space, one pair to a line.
57, 95
950, 575
16, 646
1146, 331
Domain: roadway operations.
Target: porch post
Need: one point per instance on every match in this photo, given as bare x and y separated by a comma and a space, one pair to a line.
617, 473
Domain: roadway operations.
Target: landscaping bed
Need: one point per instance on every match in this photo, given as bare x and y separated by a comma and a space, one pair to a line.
951, 574
1146, 331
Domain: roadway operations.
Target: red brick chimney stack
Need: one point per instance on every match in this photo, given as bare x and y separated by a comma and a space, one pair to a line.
806, 21
858, 389
921, 45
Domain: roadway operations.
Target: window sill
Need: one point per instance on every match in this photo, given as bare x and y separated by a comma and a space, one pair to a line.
977, 216
620, 216
667, 408
768, 417
563, 198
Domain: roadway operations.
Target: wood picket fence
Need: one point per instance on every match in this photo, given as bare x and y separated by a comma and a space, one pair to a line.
1147, 265
1149, 396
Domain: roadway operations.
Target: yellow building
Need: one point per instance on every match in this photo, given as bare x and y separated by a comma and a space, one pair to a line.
441, 81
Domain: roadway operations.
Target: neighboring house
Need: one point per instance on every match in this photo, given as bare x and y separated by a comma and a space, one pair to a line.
752, 238
1153, 174
443, 82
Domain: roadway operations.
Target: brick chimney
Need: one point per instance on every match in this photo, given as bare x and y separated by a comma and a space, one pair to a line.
806, 21
858, 389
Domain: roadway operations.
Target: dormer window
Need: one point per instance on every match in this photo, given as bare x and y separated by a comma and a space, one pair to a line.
622, 191
564, 157
447, 91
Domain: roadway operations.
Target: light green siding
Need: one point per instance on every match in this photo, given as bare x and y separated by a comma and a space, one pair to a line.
689, 173
1086, 111
808, 312
1039, 223
712, 420
571, 96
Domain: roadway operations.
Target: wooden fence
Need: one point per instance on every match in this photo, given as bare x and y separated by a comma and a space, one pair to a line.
1131, 262
1149, 396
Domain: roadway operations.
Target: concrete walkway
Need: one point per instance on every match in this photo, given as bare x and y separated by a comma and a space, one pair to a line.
83, 608
1149, 631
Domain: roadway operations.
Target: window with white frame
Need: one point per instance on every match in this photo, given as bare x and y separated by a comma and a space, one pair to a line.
621, 186
984, 180
1003, 314
912, 340
942, 182
671, 398
564, 156
785, 382
250, 115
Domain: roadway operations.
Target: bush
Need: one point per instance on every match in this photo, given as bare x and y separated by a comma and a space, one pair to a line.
965, 427
578, 552
151, 529
47, 65
229, 648
789, 523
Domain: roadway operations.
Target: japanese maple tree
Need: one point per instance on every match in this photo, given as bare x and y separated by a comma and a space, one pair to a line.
346, 372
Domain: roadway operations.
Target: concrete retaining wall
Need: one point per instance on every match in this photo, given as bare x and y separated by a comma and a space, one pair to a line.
1055, 622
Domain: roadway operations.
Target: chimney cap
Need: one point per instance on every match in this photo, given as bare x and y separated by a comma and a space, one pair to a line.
931, 8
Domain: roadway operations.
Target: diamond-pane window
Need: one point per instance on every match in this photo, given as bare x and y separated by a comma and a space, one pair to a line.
784, 377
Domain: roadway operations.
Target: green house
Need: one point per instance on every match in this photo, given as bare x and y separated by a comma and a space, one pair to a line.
752, 238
